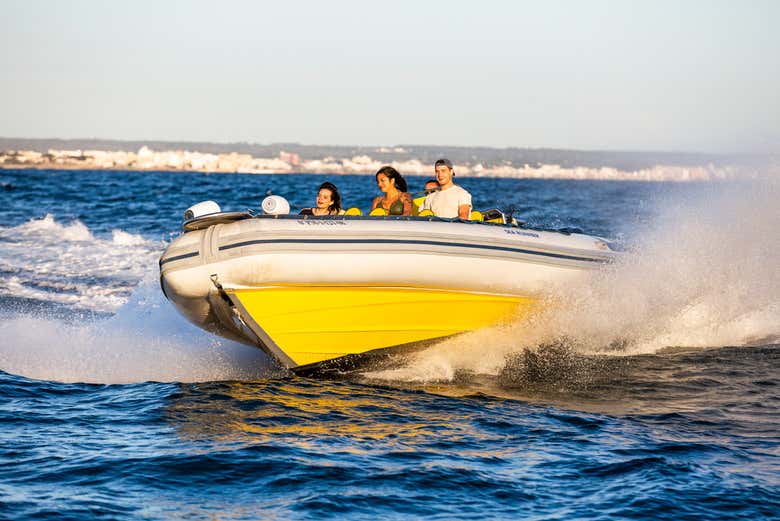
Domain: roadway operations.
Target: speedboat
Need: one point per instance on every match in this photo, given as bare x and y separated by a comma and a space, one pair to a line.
333, 292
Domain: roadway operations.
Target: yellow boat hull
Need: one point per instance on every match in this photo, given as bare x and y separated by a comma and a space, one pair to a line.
313, 324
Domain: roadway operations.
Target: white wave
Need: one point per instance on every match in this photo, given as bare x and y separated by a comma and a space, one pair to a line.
48, 228
65, 263
127, 239
147, 340
707, 274
80, 296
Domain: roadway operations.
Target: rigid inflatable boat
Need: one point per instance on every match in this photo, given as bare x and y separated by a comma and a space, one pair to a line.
326, 292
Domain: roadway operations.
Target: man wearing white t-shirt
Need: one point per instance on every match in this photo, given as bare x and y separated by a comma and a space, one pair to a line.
451, 200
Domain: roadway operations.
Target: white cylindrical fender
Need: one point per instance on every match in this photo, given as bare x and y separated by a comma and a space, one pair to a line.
276, 205
200, 209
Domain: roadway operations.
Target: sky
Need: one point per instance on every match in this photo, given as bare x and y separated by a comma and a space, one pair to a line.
594, 75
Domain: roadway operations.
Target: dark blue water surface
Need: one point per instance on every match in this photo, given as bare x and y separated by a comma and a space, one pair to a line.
675, 433
152, 203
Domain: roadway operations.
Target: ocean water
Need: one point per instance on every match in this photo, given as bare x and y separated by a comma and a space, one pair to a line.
649, 391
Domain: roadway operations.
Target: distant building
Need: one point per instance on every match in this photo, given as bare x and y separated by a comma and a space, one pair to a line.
291, 158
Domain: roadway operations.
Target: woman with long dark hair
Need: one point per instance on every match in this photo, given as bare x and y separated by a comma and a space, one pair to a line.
328, 201
396, 200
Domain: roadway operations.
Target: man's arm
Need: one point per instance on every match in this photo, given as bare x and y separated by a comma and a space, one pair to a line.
464, 205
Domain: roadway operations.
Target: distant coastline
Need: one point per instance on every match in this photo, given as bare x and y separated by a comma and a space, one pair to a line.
293, 158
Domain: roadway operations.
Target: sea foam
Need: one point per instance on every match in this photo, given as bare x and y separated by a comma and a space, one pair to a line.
147, 340
48, 261
143, 339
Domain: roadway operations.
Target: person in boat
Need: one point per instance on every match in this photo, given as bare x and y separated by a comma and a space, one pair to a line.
396, 200
328, 201
450, 200
431, 185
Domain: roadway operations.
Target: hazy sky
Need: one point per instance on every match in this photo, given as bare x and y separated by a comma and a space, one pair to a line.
673, 75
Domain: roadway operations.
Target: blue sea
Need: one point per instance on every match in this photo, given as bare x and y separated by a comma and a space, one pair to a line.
648, 391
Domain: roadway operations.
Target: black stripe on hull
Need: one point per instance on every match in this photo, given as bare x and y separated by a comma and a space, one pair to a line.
179, 257
407, 241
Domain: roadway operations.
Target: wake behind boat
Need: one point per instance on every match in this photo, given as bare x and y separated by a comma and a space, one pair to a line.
331, 291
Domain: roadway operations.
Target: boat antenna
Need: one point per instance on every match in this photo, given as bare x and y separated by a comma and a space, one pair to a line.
510, 212
422, 193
